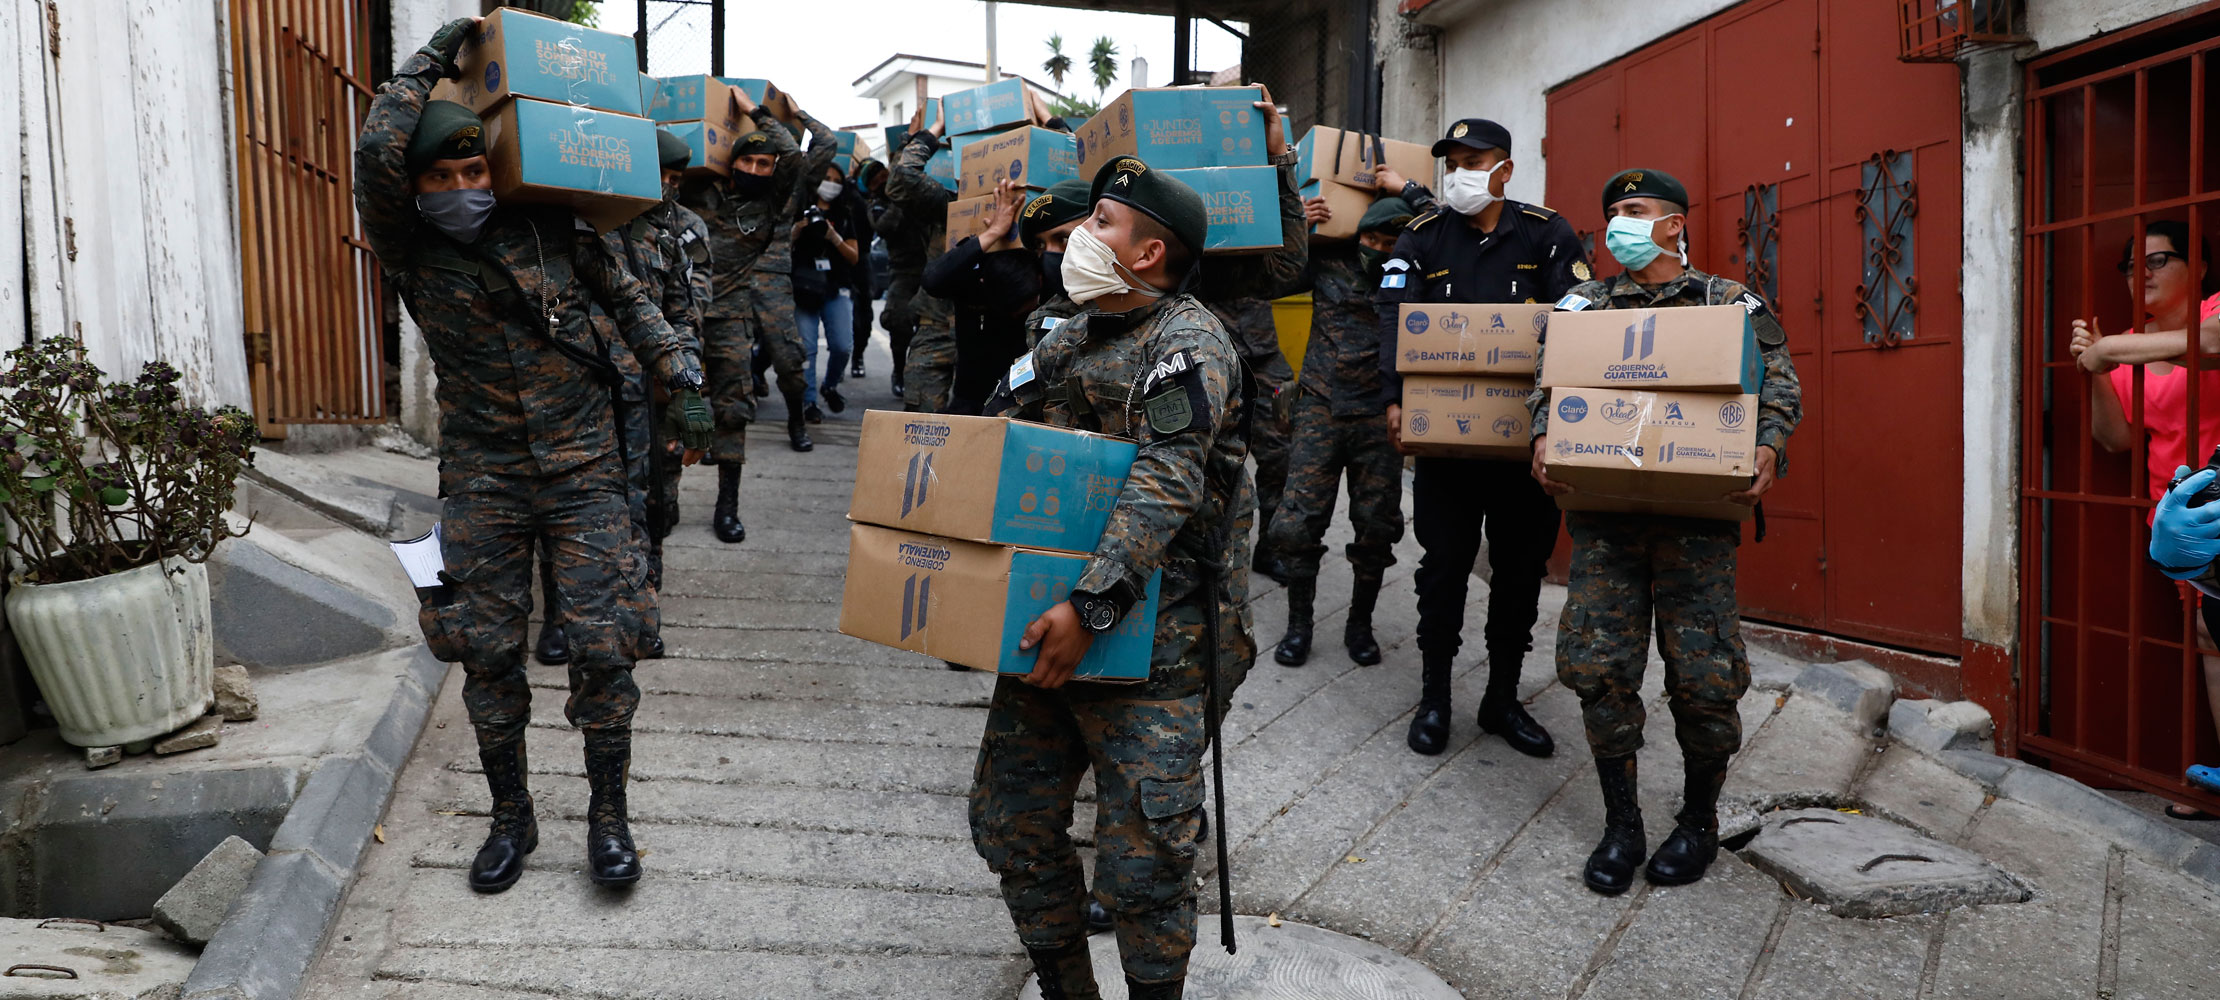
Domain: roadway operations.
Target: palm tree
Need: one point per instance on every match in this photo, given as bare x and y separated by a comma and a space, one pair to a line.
1102, 62
1058, 65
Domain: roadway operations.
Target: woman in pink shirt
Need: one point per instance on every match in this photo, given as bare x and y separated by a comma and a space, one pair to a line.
2170, 293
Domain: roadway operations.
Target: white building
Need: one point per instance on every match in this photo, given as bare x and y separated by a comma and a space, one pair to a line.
904, 81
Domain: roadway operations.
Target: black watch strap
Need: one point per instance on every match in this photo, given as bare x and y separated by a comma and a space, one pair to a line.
1097, 612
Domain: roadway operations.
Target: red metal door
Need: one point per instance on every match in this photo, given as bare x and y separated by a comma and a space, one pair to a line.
1769, 113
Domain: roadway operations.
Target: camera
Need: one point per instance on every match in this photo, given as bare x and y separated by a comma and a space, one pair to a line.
812, 216
2210, 493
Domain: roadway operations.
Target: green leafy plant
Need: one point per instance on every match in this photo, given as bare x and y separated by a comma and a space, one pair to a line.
1102, 64
1057, 65
100, 477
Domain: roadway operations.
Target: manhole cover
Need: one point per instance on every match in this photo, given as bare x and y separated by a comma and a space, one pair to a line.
1288, 962
1862, 866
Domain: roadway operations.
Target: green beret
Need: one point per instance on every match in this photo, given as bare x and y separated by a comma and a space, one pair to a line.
1644, 184
445, 131
1156, 194
1064, 201
757, 143
1389, 213
673, 151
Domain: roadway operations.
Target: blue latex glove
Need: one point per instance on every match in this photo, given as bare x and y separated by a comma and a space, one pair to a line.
2204, 777
2184, 539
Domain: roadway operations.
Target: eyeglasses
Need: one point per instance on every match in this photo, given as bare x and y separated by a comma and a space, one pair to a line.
2151, 261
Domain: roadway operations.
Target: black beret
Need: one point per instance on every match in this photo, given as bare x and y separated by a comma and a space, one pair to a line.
1386, 213
672, 151
757, 143
1064, 201
1156, 194
867, 170
445, 131
1477, 133
1644, 184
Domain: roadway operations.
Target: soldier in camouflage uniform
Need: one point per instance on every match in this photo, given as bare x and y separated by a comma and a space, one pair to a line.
750, 215
528, 441
905, 254
1336, 417
929, 361
1629, 568
1147, 362
1044, 226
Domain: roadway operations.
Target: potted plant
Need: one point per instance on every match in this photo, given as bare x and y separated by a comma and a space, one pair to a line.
115, 494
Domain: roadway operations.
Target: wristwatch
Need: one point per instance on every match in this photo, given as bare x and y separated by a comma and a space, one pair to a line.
1098, 613
688, 377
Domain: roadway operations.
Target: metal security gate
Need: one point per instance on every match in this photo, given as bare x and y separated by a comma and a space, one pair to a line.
314, 310
2118, 139
1825, 176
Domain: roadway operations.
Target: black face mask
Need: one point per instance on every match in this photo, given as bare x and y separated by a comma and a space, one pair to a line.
1372, 259
460, 213
1052, 275
748, 185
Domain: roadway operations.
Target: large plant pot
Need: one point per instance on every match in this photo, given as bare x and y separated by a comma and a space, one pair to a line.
120, 658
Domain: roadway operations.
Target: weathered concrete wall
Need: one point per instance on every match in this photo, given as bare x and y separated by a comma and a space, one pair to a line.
2059, 23
413, 24
1990, 341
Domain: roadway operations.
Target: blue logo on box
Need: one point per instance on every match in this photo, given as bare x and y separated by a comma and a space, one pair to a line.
1619, 411
1506, 426
1541, 322
1418, 423
1417, 323
1731, 414
493, 77
1572, 409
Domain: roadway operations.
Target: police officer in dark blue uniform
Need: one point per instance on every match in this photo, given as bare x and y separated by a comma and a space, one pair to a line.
1476, 247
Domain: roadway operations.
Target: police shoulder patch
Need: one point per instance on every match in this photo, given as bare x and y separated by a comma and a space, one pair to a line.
1173, 395
1580, 270
1541, 211
1422, 220
1573, 303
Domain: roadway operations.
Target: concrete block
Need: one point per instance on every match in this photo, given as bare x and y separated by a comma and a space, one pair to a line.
2123, 824
109, 962
1986, 768
106, 845
264, 948
194, 908
271, 615
201, 735
99, 757
1863, 866
235, 699
1771, 670
1860, 690
336, 812
396, 731
1932, 727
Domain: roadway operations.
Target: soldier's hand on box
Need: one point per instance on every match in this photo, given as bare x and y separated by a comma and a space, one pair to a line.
1275, 133
1061, 642
695, 425
1767, 461
1395, 427
1387, 180
1541, 472
448, 41
1315, 211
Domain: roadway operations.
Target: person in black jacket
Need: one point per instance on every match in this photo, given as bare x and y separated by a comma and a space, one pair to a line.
825, 263
993, 284
865, 286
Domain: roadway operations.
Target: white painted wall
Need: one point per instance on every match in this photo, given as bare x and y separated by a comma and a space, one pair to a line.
2059, 23
414, 21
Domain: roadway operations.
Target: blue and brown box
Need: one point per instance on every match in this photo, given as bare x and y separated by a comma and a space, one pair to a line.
1033, 157
711, 145
692, 98
1244, 206
1634, 451
990, 107
603, 165
1177, 128
1690, 349
1470, 338
516, 53
1468, 416
988, 479
969, 603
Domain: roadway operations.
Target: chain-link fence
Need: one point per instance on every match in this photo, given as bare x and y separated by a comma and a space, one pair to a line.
1316, 55
681, 36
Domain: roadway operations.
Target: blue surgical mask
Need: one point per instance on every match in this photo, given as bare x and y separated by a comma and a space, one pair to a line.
1633, 243
460, 213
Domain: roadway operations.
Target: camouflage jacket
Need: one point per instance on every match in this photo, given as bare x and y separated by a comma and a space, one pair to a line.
1341, 360
1225, 281
1168, 377
751, 234
661, 248
525, 379
1046, 317
924, 205
1780, 395
905, 243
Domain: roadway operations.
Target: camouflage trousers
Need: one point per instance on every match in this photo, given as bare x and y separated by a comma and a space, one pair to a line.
929, 370
1269, 431
1320, 449
639, 424
759, 313
489, 527
1626, 569
1145, 744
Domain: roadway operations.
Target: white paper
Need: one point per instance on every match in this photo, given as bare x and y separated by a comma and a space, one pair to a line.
421, 558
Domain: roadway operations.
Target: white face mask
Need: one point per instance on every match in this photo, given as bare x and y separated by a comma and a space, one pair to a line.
1466, 191
1091, 270
828, 190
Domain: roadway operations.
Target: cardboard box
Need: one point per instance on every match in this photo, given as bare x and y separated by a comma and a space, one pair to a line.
519, 53
603, 165
1177, 129
1470, 339
1244, 204
968, 217
969, 603
1354, 158
846, 144
1664, 452
1347, 205
712, 146
692, 98
1688, 349
1468, 416
990, 107
1032, 156
988, 479
758, 89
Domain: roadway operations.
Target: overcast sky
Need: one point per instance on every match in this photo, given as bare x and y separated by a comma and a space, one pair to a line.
816, 48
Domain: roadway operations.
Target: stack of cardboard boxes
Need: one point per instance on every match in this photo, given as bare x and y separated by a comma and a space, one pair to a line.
702, 111
1467, 370
1653, 411
563, 115
1210, 137
994, 132
1343, 167
966, 529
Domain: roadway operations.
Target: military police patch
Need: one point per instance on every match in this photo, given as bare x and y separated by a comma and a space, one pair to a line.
1580, 270
1174, 396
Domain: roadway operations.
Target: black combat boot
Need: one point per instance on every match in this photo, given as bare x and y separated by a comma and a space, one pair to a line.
797, 423
1501, 714
1066, 973
1685, 855
1356, 633
515, 832
1430, 727
724, 519
1611, 868
1294, 647
1138, 990
651, 646
553, 648
610, 856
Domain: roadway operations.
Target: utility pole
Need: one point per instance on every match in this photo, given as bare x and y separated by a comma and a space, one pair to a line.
994, 71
